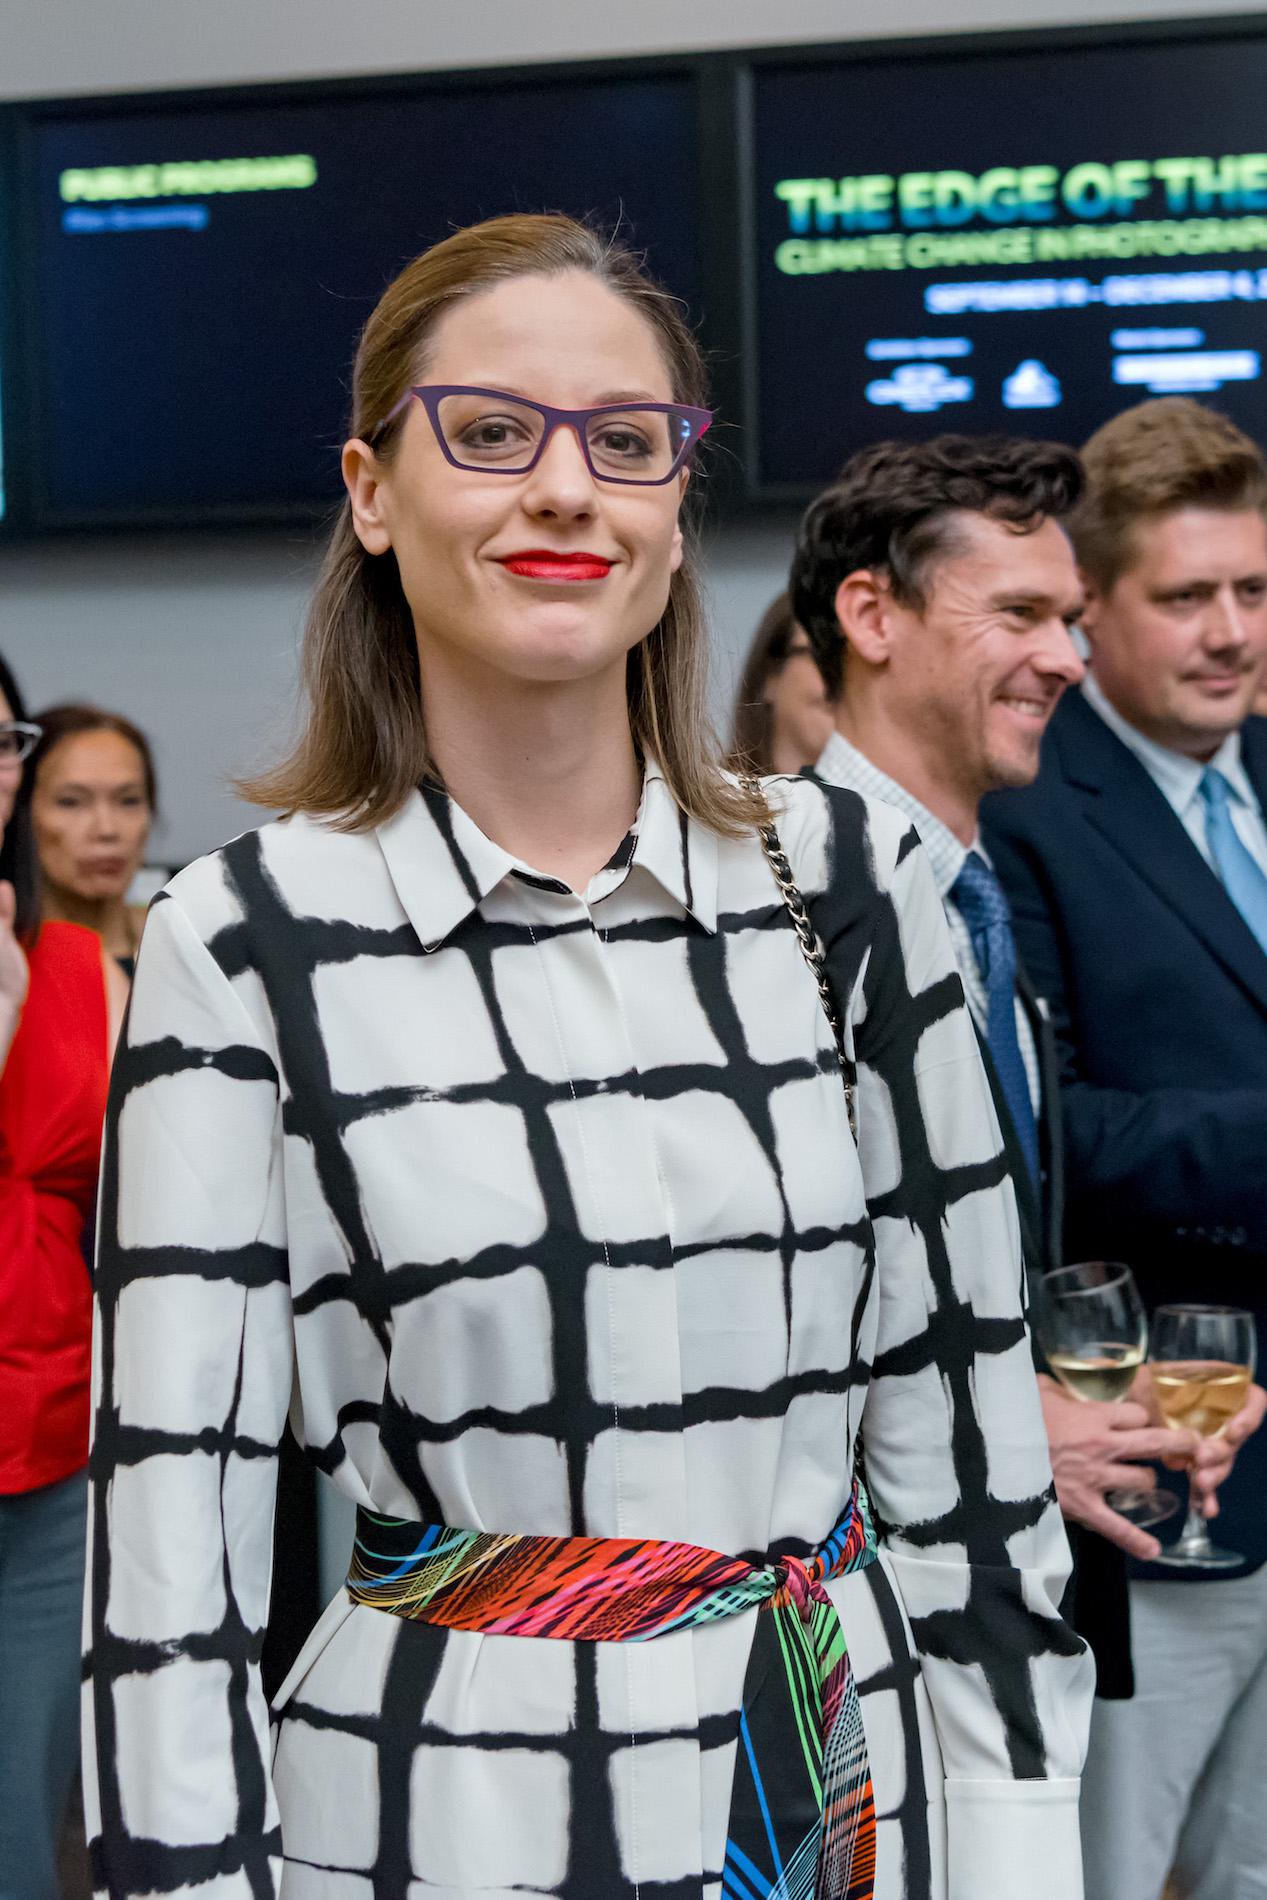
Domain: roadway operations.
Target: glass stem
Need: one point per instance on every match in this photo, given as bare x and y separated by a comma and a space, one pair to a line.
1194, 1536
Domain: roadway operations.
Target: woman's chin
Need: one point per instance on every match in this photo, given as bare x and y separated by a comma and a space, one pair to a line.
554, 649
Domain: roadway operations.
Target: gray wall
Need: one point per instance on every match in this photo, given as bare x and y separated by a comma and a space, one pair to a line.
196, 639
62, 46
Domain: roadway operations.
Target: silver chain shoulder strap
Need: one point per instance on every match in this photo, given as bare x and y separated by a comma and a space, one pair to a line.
811, 948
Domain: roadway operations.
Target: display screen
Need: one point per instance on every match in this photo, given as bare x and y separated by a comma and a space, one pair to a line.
8, 251
203, 274
1027, 242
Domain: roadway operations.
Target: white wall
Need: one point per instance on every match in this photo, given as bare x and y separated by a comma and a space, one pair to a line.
196, 639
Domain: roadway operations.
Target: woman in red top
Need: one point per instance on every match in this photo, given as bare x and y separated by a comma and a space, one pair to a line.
59, 1003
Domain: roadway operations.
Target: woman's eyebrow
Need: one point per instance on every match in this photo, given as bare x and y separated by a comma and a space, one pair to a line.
610, 401
84, 785
625, 395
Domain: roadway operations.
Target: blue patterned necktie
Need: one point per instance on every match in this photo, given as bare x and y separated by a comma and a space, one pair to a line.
1243, 879
978, 897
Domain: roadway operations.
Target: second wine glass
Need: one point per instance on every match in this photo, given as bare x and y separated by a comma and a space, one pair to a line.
1203, 1365
1092, 1327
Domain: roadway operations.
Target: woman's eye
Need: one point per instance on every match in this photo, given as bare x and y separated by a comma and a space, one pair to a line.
627, 444
493, 432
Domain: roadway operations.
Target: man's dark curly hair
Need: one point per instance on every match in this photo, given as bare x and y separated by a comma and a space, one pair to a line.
888, 511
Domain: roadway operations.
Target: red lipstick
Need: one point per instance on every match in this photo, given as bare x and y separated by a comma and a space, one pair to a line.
547, 564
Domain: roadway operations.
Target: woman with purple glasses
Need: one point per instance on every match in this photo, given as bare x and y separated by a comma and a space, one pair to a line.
589, 1150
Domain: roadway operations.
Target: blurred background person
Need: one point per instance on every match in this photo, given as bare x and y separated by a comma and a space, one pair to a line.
782, 715
1137, 871
94, 797
56, 1033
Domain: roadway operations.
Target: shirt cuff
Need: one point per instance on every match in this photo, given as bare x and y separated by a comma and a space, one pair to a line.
1007, 1837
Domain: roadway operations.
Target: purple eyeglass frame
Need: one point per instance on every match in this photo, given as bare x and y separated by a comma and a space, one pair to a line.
430, 395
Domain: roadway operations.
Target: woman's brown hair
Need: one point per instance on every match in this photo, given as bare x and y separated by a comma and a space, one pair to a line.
364, 748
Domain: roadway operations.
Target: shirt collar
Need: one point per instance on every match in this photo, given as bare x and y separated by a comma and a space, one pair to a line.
842, 764
1175, 775
679, 852
443, 865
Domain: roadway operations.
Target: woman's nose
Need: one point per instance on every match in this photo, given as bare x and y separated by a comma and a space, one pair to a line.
561, 483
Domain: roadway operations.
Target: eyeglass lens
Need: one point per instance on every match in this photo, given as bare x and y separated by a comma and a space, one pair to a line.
632, 445
17, 743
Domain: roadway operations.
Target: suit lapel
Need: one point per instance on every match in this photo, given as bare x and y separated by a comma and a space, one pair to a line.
1050, 1132
1254, 757
1128, 811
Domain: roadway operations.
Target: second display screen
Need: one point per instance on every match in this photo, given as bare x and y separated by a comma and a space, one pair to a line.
1022, 242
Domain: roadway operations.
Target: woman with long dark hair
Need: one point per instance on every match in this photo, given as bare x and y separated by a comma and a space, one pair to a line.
783, 717
491, 1116
59, 1000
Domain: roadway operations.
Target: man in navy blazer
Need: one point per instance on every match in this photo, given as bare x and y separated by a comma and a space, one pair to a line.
1136, 867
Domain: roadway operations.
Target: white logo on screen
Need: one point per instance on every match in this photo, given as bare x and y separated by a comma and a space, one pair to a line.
1031, 386
920, 388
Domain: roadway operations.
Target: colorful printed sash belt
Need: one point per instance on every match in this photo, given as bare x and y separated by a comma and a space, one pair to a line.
802, 1817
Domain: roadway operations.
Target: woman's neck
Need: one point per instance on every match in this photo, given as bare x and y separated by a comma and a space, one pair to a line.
547, 770
108, 916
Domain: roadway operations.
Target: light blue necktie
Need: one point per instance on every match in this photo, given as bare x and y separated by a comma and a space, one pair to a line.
978, 897
1243, 879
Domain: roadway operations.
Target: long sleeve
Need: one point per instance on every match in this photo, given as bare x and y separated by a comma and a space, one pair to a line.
192, 1379
955, 1453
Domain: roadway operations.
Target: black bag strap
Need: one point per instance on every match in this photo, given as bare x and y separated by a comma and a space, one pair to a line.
811, 949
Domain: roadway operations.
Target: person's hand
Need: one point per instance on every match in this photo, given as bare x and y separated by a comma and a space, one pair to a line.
1095, 1446
14, 974
1211, 1464
1216, 1456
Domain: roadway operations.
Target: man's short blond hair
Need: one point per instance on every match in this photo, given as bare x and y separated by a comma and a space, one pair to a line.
1162, 455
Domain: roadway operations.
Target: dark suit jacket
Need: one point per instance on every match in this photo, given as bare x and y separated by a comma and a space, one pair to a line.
1158, 997
1096, 1603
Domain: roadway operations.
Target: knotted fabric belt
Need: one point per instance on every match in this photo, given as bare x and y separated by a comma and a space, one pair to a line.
802, 1817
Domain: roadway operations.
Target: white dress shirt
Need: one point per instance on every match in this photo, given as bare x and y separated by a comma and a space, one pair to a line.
1178, 779
842, 764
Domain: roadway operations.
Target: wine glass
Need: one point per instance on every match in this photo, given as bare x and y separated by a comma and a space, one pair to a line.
1093, 1330
1203, 1364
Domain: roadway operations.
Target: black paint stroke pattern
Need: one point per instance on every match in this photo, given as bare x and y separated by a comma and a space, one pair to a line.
542, 1214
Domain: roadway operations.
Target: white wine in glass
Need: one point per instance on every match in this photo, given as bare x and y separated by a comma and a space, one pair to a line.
1093, 1330
1203, 1365
1099, 1370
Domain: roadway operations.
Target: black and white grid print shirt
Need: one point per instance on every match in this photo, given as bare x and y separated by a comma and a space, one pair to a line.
539, 1211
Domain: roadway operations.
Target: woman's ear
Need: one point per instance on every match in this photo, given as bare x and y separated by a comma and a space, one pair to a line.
862, 614
363, 479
